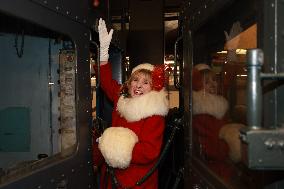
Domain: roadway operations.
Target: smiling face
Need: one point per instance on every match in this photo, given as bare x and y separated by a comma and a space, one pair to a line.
140, 83
210, 83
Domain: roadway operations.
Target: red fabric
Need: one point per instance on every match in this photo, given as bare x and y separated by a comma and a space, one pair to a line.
146, 152
158, 77
214, 150
109, 85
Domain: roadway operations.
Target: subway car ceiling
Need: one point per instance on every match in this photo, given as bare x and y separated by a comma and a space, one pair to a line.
117, 14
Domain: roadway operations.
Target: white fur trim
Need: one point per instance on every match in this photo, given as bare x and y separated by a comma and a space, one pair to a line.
205, 103
116, 145
231, 134
145, 66
202, 66
137, 108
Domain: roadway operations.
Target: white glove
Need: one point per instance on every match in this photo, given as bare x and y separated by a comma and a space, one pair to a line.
105, 39
233, 41
233, 38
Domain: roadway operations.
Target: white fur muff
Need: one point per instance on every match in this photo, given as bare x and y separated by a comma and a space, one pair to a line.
116, 145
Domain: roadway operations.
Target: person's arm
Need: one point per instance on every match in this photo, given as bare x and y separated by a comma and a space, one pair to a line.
207, 129
148, 148
109, 86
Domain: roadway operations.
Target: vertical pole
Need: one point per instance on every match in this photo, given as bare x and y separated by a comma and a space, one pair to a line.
254, 91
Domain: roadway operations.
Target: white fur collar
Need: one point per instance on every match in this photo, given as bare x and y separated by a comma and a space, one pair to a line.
135, 109
214, 105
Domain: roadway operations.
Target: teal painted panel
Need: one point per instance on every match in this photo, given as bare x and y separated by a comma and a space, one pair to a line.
15, 129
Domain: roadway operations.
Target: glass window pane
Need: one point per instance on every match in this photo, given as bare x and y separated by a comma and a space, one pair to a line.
219, 103
37, 98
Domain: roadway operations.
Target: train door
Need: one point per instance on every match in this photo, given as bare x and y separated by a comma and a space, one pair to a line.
240, 148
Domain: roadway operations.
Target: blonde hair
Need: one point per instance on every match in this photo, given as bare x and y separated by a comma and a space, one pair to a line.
145, 72
124, 89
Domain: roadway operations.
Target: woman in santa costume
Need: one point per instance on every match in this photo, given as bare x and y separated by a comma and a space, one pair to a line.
216, 141
132, 145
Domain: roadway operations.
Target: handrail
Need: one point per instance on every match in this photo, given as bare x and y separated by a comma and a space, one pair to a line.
254, 92
176, 82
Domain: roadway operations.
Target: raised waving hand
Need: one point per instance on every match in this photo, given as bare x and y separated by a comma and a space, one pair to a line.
105, 39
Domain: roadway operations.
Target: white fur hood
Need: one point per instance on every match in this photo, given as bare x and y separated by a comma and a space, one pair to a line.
135, 109
205, 103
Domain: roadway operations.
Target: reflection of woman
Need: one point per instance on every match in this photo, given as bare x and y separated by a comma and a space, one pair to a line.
209, 111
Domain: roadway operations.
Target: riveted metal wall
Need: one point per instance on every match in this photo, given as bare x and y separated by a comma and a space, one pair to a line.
271, 40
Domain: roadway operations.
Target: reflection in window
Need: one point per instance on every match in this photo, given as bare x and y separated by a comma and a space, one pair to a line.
37, 98
219, 103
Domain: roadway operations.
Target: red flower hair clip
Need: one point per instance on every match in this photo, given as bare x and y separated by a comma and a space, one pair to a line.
157, 74
158, 77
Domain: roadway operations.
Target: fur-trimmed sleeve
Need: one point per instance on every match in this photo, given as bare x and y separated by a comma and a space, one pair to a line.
148, 148
109, 85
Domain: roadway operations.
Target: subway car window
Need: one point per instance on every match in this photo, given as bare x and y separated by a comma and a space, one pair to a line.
219, 97
37, 98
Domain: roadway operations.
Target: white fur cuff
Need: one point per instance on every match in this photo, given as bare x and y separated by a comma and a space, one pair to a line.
116, 145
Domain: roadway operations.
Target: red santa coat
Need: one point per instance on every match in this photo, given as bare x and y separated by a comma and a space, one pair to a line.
207, 121
145, 117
